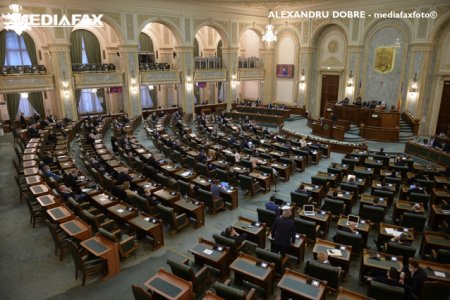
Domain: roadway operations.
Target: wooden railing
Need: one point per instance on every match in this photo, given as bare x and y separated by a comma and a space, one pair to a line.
379, 134
413, 122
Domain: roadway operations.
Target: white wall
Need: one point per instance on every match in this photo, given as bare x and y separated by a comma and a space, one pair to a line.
285, 55
249, 44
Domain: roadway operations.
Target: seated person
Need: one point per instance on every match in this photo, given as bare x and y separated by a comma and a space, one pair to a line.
71, 179
412, 279
351, 181
121, 177
216, 189
322, 257
201, 157
358, 101
351, 227
66, 193
417, 208
416, 189
231, 233
391, 278
49, 174
126, 188
402, 239
32, 131
381, 152
301, 189
152, 200
271, 204
48, 159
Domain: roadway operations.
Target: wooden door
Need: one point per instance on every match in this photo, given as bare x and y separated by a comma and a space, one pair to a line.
330, 90
444, 111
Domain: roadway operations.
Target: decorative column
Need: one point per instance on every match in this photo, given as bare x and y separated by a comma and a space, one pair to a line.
268, 59
113, 100
230, 62
304, 76
354, 58
64, 86
131, 86
185, 63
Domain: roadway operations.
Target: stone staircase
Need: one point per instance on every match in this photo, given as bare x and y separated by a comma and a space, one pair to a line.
352, 135
406, 133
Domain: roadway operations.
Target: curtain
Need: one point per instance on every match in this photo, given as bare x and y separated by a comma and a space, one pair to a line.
196, 48
16, 52
89, 102
76, 40
31, 48
220, 88
92, 47
145, 43
37, 102
25, 107
146, 98
2, 47
101, 98
12, 100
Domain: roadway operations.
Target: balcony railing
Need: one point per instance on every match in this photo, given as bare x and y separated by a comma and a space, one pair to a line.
249, 63
208, 63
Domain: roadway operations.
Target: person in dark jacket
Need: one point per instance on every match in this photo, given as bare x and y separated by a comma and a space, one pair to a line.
283, 232
412, 279
391, 278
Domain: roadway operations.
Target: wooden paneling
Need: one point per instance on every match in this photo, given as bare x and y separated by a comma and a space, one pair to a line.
444, 111
330, 90
379, 134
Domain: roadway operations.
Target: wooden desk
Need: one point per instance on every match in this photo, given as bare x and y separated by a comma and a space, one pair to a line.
283, 169
384, 236
185, 175
360, 183
430, 267
370, 200
122, 211
29, 164
363, 227
151, 226
202, 182
375, 261
437, 216
438, 195
146, 184
315, 190
169, 168
346, 196
48, 201
254, 234
345, 294
433, 240
77, 228
167, 196
60, 214
300, 162
245, 268
320, 217
103, 199
401, 206
263, 178
169, 286
197, 211
34, 179
39, 189
204, 253
230, 195
342, 261
297, 249
294, 285
330, 177
211, 296
106, 249
30, 151
29, 157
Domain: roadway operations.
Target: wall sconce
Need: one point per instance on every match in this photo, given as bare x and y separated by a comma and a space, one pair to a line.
189, 84
413, 89
350, 79
302, 83
234, 81
65, 84
133, 85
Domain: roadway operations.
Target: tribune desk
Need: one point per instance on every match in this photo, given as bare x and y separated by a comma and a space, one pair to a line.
106, 249
434, 240
77, 228
60, 214
193, 209
343, 260
149, 225
245, 267
48, 201
375, 262
296, 286
170, 287
206, 252
256, 231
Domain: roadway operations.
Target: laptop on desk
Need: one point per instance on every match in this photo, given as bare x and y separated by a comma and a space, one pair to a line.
353, 219
308, 210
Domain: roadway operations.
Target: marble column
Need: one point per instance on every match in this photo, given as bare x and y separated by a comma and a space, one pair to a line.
114, 102
131, 87
268, 60
231, 86
354, 58
64, 86
185, 64
306, 54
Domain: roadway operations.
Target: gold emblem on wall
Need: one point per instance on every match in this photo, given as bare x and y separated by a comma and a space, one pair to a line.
384, 59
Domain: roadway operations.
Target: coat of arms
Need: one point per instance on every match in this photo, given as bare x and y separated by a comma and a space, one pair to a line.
384, 59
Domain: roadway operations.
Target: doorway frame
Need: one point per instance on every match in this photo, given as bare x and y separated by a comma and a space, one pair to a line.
341, 91
436, 103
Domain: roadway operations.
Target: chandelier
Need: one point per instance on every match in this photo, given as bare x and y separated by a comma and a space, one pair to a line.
269, 36
15, 20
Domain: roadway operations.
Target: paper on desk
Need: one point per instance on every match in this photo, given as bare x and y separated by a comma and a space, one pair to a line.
439, 274
186, 173
120, 210
393, 232
207, 251
334, 252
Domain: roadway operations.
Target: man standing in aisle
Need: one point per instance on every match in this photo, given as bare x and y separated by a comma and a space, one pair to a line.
283, 232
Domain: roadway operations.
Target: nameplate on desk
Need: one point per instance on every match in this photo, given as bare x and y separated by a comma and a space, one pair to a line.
312, 282
262, 264
256, 224
208, 251
218, 248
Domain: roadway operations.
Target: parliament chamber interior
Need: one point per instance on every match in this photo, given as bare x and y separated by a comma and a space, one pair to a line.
222, 149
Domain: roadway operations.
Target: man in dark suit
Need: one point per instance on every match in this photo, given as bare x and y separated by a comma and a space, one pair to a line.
283, 232
122, 177
232, 234
412, 279
391, 277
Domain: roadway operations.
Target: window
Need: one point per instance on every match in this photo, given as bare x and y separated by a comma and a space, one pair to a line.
88, 102
146, 97
16, 51
25, 106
